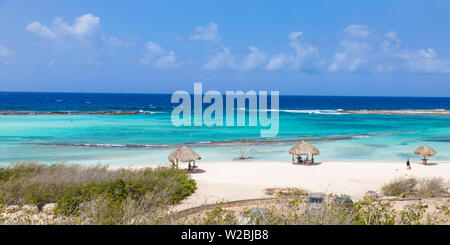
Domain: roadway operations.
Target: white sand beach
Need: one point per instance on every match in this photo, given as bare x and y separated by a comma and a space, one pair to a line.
237, 180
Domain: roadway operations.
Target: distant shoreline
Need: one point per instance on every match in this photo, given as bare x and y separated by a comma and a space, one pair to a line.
114, 113
398, 112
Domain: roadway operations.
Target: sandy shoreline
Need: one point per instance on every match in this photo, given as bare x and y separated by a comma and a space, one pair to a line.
237, 180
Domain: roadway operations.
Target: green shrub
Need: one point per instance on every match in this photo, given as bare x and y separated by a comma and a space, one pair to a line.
72, 185
399, 187
220, 216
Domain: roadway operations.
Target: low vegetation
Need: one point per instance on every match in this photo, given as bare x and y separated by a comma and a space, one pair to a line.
285, 192
297, 211
101, 195
79, 191
416, 188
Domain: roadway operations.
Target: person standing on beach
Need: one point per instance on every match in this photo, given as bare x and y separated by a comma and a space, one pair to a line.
408, 166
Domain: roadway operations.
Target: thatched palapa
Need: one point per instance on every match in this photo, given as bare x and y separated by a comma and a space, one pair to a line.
184, 154
425, 151
303, 148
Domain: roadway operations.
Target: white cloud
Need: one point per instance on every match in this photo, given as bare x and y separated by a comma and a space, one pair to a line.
427, 54
344, 61
153, 52
424, 61
392, 41
119, 42
222, 56
360, 50
85, 31
295, 34
254, 59
154, 49
178, 39
359, 31
209, 33
305, 58
277, 62
4, 52
6, 55
83, 28
158, 58
222, 59
167, 61
41, 30
356, 50
354, 55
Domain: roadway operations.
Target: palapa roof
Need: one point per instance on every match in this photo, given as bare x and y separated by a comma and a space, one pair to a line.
425, 151
303, 148
184, 154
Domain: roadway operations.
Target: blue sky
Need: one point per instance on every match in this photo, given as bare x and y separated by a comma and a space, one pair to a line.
297, 47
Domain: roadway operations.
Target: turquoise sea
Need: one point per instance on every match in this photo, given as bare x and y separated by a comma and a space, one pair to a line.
149, 138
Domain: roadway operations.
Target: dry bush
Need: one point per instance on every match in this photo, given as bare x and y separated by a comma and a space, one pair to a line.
433, 187
285, 192
419, 188
399, 187
95, 195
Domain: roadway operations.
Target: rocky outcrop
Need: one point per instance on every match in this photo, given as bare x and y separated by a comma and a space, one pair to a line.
30, 209
30, 215
11, 209
49, 209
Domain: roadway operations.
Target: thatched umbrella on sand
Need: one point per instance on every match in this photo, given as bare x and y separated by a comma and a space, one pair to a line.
303, 148
425, 151
184, 154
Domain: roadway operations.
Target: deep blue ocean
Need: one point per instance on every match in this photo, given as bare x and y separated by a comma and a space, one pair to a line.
20, 101
148, 138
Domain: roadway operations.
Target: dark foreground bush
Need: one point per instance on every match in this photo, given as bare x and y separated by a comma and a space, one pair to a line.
72, 186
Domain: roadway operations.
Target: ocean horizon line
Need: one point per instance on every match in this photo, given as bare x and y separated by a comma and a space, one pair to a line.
191, 93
